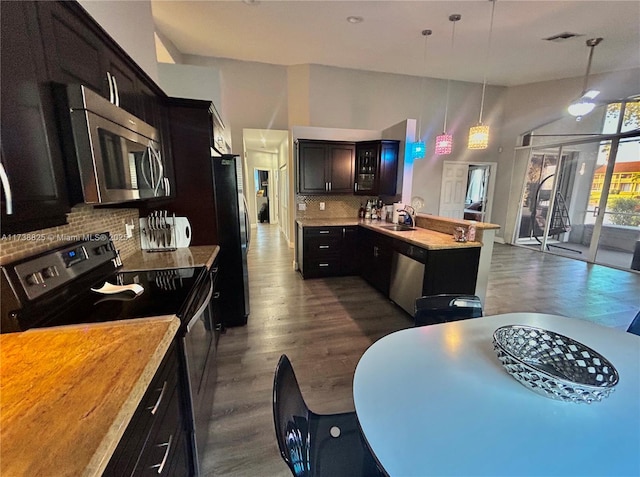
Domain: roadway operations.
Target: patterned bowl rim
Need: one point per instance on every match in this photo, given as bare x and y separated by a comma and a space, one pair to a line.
532, 366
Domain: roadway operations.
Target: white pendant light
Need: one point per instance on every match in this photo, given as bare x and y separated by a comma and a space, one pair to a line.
418, 148
444, 142
479, 134
585, 104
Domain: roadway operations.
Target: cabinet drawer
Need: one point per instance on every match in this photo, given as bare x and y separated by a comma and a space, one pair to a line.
152, 408
322, 232
322, 246
163, 441
319, 267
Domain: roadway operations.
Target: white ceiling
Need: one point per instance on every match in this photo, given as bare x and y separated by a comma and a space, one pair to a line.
390, 40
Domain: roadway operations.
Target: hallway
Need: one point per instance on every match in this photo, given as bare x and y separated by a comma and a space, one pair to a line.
325, 325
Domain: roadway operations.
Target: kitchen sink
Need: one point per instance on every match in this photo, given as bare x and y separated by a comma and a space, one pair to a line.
397, 227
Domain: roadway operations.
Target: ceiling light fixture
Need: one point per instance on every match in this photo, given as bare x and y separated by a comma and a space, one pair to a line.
479, 134
585, 104
354, 19
444, 142
418, 148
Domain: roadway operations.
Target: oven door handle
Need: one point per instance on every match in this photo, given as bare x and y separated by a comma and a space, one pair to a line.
196, 316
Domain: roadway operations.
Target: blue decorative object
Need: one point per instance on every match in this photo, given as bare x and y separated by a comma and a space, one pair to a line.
417, 150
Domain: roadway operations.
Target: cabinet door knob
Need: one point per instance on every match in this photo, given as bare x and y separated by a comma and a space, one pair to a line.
6, 186
155, 407
161, 465
115, 91
111, 93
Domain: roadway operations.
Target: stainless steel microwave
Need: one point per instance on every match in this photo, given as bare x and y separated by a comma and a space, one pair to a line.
118, 155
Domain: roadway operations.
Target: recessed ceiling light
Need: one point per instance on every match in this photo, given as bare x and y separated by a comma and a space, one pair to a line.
251, 2
353, 19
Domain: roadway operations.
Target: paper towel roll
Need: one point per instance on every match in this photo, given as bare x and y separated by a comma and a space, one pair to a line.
395, 218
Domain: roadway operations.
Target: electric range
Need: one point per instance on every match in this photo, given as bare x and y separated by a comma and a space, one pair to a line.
55, 288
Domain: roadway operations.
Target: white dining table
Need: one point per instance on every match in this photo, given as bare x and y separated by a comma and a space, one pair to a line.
435, 401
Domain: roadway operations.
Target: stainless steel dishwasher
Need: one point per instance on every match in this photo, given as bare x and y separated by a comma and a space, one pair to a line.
407, 275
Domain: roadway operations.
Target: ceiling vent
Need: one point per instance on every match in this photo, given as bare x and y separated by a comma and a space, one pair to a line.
562, 36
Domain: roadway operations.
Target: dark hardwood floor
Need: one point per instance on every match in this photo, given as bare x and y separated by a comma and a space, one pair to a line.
325, 325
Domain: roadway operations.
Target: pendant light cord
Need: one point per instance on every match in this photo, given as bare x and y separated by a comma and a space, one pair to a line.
486, 60
426, 34
453, 19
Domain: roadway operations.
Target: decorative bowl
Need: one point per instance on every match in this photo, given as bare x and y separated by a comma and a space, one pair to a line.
554, 365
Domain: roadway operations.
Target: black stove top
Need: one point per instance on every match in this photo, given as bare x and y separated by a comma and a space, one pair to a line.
54, 288
166, 292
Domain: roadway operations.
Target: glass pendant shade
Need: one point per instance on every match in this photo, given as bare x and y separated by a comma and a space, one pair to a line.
418, 150
479, 137
444, 143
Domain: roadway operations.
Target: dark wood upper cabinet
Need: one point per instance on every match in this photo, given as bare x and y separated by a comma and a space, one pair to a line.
325, 167
45, 45
77, 52
30, 150
74, 52
376, 168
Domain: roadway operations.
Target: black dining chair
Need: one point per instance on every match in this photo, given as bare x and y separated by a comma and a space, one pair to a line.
634, 327
433, 309
316, 445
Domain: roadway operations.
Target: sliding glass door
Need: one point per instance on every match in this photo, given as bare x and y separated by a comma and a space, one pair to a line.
581, 198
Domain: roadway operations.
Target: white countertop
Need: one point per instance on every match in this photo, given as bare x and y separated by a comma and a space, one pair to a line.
435, 401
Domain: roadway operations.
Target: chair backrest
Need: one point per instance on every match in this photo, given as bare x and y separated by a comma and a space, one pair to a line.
446, 307
634, 327
291, 419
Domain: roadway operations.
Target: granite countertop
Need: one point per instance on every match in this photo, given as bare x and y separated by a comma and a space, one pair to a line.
421, 237
198, 256
69, 392
424, 238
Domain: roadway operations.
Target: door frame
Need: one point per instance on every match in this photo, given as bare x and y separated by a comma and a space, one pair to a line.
493, 170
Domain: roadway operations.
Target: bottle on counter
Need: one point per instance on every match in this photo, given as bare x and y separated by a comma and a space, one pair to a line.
471, 233
361, 212
367, 212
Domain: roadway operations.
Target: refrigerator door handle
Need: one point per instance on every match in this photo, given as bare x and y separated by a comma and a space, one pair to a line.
247, 222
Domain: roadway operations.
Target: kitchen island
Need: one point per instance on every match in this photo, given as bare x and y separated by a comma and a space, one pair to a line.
68, 393
432, 234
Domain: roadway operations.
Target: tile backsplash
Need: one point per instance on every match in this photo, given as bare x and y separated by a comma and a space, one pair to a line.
339, 206
83, 220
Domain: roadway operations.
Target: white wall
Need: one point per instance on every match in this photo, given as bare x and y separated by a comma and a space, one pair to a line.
253, 95
193, 82
130, 24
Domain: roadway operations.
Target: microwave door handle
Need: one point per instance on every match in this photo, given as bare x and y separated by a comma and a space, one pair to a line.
6, 186
156, 155
150, 179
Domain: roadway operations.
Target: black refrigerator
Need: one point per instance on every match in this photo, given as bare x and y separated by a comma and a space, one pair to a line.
234, 238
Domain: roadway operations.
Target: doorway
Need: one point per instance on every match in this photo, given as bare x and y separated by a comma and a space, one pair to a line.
467, 190
261, 181
581, 198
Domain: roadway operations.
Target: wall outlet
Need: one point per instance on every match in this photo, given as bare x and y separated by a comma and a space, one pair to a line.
321, 205
302, 206
129, 229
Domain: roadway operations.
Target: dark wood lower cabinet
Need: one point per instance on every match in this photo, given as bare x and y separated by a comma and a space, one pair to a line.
375, 256
353, 250
155, 441
327, 251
